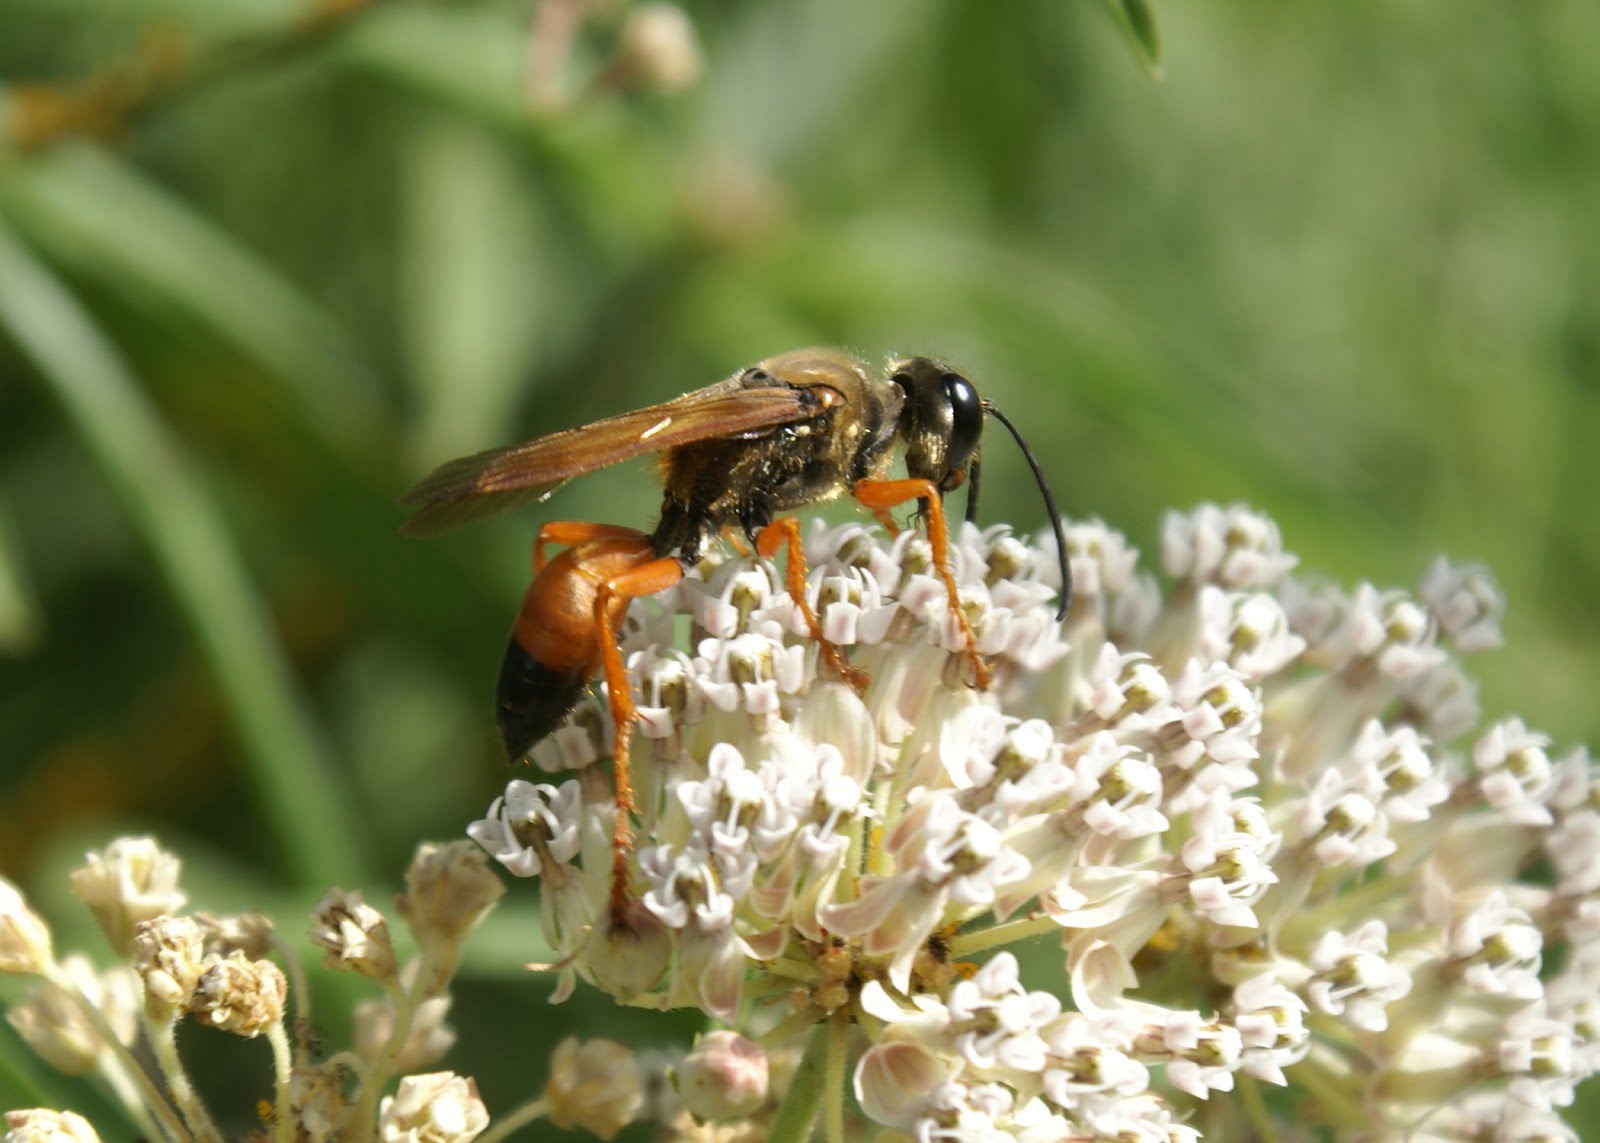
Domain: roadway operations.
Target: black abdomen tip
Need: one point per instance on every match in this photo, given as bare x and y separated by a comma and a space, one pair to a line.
531, 699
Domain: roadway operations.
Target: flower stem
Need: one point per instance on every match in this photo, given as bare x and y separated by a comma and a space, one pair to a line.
1337, 1105
1256, 1108
519, 1117
127, 1091
791, 968
295, 969
404, 1002
964, 944
163, 1039
787, 1030
838, 1057
283, 1069
799, 1109
152, 1096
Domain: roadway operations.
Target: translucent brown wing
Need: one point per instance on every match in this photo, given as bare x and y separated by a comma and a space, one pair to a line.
488, 482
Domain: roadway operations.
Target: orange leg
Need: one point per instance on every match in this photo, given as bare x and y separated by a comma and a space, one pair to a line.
612, 599
786, 532
736, 542
568, 532
881, 495
888, 522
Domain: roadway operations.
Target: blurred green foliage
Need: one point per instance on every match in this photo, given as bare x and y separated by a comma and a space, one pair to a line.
1341, 262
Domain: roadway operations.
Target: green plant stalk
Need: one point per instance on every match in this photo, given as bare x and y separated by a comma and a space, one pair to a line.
285, 759
837, 1067
518, 1117
806, 1090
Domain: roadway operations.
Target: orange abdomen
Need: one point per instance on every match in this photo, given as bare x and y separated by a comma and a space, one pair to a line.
554, 648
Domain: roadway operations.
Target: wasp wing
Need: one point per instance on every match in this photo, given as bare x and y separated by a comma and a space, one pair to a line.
488, 482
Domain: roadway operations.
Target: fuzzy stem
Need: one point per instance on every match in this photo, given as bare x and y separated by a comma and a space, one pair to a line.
283, 1071
833, 1086
799, 1108
295, 969
162, 1035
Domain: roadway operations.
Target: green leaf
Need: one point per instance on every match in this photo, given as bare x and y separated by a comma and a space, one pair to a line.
468, 58
481, 287
1137, 19
106, 219
230, 17
286, 760
20, 621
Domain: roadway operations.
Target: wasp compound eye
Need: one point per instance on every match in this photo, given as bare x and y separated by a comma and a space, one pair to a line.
940, 422
966, 427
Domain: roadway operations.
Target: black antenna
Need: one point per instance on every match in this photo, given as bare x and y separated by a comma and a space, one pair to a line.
1049, 505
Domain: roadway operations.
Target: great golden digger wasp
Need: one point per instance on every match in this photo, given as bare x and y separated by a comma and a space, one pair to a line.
796, 429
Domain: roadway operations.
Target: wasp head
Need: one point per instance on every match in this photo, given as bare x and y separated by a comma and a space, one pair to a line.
941, 421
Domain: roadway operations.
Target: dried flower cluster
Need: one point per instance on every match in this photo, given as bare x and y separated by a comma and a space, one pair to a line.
1249, 832
220, 971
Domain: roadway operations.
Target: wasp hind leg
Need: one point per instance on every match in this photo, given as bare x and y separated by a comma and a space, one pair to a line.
881, 495
569, 532
611, 600
786, 533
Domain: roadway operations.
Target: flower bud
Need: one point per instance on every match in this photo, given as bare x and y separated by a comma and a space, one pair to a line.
439, 1107
449, 888
169, 960
40, 1125
240, 995
250, 933
133, 880
659, 51
24, 937
725, 1076
354, 935
594, 1086
318, 1104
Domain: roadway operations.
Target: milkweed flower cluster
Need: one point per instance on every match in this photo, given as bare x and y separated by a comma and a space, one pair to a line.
1246, 830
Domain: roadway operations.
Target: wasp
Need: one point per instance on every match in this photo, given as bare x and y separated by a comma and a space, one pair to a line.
794, 430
